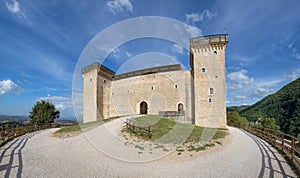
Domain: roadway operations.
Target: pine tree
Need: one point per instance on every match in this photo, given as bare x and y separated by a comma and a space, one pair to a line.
43, 112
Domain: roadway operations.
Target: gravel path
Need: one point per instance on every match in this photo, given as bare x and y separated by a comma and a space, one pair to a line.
103, 153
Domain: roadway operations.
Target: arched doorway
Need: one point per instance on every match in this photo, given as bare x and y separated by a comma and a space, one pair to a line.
180, 107
143, 107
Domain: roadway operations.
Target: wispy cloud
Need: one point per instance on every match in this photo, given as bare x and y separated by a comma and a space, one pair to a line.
13, 7
294, 51
129, 55
61, 103
8, 86
243, 88
193, 31
119, 6
177, 49
240, 84
294, 75
199, 17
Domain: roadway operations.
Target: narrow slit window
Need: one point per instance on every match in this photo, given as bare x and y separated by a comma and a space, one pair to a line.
203, 70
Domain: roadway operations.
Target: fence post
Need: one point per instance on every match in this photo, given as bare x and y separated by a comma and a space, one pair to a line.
149, 133
293, 149
275, 138
2, 133
282, 142
17, 132
8, 128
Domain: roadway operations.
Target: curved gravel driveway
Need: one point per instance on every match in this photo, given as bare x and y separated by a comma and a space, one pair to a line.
40, 154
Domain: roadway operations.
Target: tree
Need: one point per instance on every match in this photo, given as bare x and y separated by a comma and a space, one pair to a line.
234, 119
43, 112
269, 123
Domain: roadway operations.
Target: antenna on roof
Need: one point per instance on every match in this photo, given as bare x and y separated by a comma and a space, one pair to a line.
225, 30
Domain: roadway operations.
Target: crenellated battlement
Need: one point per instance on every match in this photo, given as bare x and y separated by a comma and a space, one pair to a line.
209, 40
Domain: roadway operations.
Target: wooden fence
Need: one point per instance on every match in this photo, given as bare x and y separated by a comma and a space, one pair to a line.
285, 142
9, 131
135, 127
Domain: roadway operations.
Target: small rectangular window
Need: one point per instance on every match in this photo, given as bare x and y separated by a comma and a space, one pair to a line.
211, 91
203, 70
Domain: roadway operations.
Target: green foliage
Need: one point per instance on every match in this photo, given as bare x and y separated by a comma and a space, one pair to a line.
284, 106
234, 119
236, 108
269, 123
43, 112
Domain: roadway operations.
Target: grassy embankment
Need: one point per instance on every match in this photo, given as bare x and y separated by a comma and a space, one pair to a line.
168, 131
77, 129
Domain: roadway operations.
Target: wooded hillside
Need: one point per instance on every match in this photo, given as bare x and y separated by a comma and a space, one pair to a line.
283, 106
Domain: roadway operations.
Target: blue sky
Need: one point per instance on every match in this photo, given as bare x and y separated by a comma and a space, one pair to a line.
41, 42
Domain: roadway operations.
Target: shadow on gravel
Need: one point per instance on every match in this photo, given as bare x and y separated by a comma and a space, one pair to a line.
268, 154
11, 155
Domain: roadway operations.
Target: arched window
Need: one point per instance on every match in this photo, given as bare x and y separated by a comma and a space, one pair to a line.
180, 107
211, 90
203, 70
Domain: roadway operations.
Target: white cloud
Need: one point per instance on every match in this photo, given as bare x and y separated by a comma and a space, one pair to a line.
119, 6
177, 49
199, 17
294, 75
294, 51
193, 31
244, 87
238, 80
129, 55
296, 55
61, 103
13, 7
8, 86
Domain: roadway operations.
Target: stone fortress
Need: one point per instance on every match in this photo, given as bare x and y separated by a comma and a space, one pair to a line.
195, 96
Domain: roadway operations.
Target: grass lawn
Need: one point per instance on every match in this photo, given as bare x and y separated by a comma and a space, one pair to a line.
76, 129
169, 131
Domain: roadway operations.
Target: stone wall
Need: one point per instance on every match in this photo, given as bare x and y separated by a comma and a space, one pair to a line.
161, 92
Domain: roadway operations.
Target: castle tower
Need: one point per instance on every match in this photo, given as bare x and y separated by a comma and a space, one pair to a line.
97, 90
208, 80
